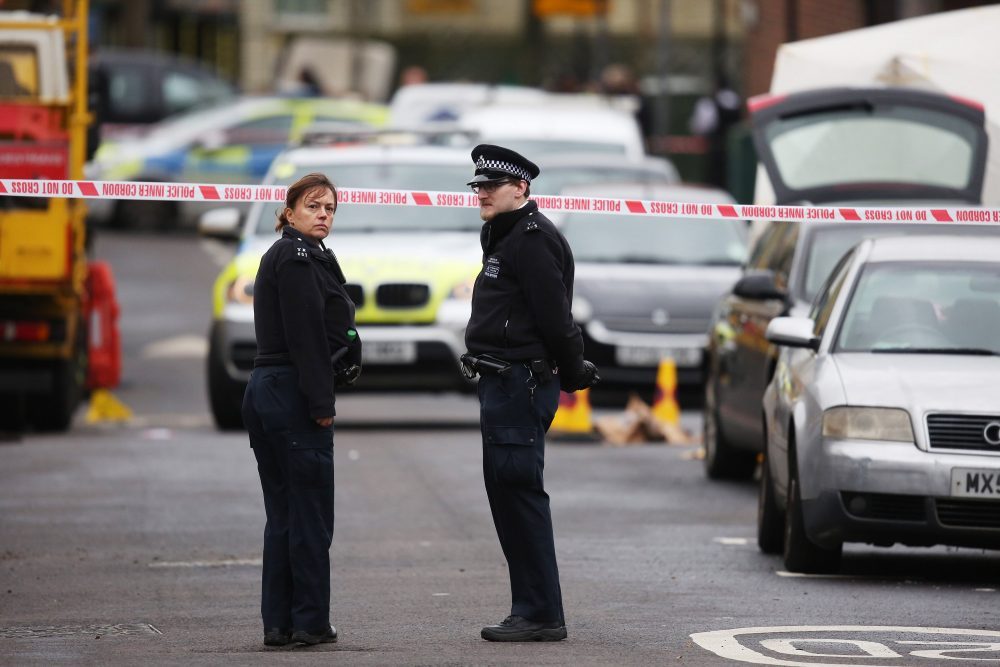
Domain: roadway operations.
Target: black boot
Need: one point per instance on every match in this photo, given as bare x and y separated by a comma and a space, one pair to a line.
277, 637
517, 629
303, 637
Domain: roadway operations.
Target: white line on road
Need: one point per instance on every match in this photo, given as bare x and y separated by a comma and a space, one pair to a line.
189, 346
231, 562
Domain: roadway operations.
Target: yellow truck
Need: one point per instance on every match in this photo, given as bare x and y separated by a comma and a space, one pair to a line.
47, 289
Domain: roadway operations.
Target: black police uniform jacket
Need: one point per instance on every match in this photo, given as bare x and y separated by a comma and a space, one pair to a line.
522, 300
302, 314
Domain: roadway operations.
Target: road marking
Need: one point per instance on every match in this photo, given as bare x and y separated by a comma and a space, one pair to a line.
805, 575
231, 562
188, 346
860, 646
732, 541
47, 631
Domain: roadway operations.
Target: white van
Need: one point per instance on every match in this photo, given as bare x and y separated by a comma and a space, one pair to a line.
557, 127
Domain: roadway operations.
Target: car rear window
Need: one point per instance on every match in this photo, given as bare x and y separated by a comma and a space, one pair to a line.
888, 144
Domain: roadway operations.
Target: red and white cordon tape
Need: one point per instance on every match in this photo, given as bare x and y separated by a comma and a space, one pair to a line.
221, 193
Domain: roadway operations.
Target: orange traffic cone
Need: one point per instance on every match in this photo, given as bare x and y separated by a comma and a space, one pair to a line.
665, 407
574, 414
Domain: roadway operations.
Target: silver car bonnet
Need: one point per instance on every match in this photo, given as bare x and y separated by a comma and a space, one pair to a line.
920, 383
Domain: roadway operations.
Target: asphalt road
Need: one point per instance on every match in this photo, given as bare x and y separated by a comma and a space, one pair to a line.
140, 543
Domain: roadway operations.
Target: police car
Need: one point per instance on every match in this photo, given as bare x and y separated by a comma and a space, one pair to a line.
231, 143
409, 269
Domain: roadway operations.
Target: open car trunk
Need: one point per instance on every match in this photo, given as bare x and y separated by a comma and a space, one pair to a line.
870, 144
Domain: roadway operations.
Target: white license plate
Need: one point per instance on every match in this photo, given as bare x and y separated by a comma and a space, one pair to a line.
975, 483
634, 355
388, 352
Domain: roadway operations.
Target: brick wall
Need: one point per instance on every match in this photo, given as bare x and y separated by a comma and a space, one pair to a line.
780, 21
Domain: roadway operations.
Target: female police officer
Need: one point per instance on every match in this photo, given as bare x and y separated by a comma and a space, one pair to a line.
521, 331
304, 322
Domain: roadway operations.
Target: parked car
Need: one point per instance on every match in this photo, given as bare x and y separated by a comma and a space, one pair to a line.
131, 89
557, 127
440, 102
229, 143
884, 147
646, 286
883, 418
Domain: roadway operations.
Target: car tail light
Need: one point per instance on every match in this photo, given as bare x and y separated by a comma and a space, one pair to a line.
969, 102
25, 331
758, 102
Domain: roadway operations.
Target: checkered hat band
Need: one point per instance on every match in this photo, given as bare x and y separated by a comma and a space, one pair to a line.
508, 167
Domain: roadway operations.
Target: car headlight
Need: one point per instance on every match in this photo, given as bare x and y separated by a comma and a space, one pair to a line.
867, 424
240, 291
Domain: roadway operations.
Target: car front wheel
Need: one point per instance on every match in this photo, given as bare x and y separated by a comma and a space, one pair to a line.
770, 518
801, 553
225, 395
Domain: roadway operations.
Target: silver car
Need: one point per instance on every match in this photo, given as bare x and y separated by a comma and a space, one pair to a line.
883, 416
646, 285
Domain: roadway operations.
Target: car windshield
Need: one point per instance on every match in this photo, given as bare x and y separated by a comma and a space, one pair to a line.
380, 217
641, 240
931, 307
887, 144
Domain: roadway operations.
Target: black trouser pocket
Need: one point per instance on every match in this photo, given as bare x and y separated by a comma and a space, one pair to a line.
514, 454
310, 458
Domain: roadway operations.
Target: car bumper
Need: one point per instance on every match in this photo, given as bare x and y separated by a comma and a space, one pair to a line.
633, 359
394, 357
883, 493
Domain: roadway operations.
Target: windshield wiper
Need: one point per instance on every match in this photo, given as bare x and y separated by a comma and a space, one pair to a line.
979, 351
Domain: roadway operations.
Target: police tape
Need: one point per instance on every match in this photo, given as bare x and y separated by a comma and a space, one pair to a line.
223, 193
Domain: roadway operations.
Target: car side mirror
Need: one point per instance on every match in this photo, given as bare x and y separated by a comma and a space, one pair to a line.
221, 223
759, 285
793, 332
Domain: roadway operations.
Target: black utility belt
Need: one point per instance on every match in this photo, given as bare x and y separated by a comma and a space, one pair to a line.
487, 364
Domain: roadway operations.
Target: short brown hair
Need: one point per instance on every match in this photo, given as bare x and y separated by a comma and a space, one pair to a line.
299, 189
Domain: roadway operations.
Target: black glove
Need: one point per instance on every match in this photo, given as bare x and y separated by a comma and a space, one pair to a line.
347, 368
347, 376
582, 378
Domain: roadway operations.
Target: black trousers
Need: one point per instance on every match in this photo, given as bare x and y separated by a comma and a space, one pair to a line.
515, 412
295, 461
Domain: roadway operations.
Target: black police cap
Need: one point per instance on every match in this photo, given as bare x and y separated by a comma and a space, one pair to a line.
496, 163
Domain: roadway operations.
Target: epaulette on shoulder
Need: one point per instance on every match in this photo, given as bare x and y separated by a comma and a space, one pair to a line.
531, 225
301, 252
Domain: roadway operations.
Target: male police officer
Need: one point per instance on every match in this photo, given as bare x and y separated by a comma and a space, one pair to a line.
523, 343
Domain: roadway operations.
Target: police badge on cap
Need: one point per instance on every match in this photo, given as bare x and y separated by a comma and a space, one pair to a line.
496, 163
